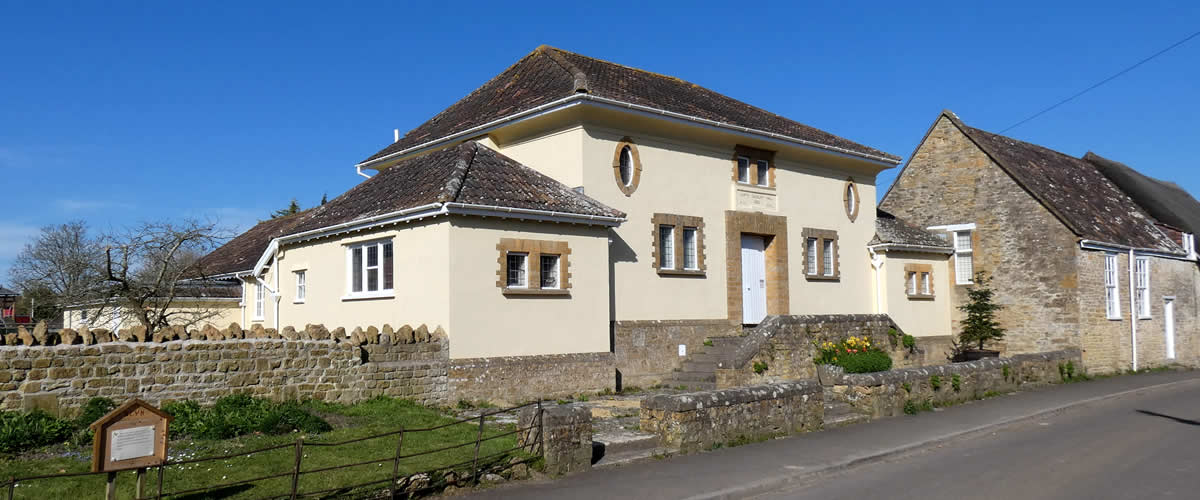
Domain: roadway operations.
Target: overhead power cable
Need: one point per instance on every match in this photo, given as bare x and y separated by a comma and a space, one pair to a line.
1102, 82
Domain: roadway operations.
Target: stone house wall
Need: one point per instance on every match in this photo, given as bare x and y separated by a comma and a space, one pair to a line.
1106, 343
1027, 251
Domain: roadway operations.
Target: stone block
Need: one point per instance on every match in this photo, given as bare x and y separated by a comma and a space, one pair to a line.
566, 436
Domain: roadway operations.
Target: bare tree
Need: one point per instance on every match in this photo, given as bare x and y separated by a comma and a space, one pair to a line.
64, 263
147, 267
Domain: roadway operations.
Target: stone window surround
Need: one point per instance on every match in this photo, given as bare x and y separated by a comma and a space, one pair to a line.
918, 269
849, 187
821, 235
774, 228
533, 269
637, 166
754, 154
679, 222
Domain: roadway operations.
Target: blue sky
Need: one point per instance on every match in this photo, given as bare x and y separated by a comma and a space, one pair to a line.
117, 112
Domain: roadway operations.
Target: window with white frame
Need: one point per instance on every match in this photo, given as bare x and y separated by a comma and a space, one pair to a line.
926, 286
550, 271
964, 263
690, 262
1141, 275
370, 269
259, 299
743, 169
301, 286
666, 247
764, 175
911, 282
827, 255
517, 265
1112, 295
820, 254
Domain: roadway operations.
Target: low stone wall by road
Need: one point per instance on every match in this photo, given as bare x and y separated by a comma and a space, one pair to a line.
884, 394
696, 421
647, 351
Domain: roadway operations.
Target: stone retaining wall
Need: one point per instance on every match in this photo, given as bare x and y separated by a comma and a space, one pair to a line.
884, 394
67, 375
786, 346
516, 379
647, 351
691, 422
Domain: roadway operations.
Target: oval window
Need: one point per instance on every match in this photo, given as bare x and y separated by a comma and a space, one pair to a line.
850, 196
626, 166
850, 201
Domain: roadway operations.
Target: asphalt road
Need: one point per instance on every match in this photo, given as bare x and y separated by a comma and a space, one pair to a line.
1143, 445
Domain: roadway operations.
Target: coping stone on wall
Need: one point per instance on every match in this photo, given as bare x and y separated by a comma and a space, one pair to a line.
729, 397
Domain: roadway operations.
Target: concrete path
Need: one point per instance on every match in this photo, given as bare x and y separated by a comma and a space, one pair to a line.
1136, 446
776, 465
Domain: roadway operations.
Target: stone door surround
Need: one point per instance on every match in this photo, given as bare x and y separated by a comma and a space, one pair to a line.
774, 229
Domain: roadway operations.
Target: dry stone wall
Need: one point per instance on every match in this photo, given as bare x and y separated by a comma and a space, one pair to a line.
62, 376
697, 421
647, 351
884, 394
517, 379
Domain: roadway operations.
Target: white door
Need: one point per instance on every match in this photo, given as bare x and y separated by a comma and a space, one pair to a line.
754, 280
1169, 326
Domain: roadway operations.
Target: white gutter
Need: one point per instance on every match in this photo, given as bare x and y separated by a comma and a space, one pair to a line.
360, 172
910, 248
1133, 313
531, 214
1099, 245
275, 293
570, 101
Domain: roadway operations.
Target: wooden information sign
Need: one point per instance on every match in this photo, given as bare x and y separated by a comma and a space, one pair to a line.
133, 436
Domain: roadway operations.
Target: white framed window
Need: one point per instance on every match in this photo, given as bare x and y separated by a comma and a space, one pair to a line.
910, 282
689, 249
1141, 274
259, 301
517, 270
926, 286
810, 267
666, 246
964, 262
550, 271
764, 172
851, 198
369, 266
743, 173
1112, 294
301, 286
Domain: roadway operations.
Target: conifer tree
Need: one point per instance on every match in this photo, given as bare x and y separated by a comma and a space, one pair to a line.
980, 325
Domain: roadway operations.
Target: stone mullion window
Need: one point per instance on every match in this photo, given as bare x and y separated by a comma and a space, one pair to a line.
918, 281
821, 259
746, 166
532, 252
677, 262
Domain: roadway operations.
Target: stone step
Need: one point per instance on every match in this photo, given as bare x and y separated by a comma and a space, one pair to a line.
706, 356
698, 366
691, 385
839, 414
694, 376
623, 446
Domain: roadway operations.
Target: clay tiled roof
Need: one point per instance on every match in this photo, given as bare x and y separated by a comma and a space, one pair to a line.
468, 173
890, 229
548, 74
1074, 190
1164, 200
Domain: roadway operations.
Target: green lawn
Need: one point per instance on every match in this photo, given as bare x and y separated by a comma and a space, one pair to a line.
350, 422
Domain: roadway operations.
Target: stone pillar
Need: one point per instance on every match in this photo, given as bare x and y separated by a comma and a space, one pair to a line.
567, 436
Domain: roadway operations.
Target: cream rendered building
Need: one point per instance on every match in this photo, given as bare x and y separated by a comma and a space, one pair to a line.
668, 214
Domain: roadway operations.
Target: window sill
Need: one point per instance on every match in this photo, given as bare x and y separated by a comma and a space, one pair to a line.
920, 297
297, 301
965, 284
536, 291
258, 320
681, 272
818, 277
368, 296
1145, 317
1118, 318
769, 189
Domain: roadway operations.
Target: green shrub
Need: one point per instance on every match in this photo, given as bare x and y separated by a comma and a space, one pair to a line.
910, 408
1007, 372
92, 411
760, 367
20, 431
866, 362
907, 387
956, 382
909, 342
240, 414
708, 343
855, 355
935, 382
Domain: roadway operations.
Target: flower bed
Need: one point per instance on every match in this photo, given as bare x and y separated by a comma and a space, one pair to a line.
854, 355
